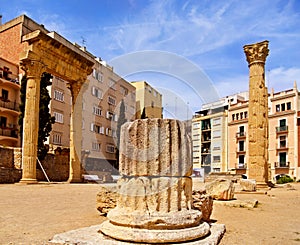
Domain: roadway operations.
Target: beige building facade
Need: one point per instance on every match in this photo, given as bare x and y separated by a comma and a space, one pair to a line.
148, 99
9, 103
283, 135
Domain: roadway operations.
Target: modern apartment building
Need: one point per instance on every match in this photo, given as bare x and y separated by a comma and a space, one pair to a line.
284, 134
102, 100
9, 103
148, 100
209, 135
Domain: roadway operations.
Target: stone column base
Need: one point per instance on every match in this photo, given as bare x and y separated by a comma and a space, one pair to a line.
28, 181
154, 236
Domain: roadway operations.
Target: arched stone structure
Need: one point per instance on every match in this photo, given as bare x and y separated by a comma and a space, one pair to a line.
53, 54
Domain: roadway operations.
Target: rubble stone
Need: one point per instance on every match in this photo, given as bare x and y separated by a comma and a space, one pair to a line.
220, 189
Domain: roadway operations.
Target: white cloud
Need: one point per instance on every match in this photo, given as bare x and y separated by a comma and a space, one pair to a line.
282, 78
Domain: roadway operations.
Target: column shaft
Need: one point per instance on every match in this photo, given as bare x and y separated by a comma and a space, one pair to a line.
31, 122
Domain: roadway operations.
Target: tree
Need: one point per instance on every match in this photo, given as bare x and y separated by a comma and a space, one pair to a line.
121, 120
45, 118
143, 116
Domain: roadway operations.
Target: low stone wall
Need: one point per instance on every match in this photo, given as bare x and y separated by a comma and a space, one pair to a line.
56, 165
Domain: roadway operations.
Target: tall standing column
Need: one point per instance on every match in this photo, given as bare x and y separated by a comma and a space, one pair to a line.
256, 55
34, 70
75, 133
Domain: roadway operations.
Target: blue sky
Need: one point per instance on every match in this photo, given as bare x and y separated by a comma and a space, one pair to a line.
209, 34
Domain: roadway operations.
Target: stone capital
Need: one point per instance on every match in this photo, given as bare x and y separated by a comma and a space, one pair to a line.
33, 68
257, 52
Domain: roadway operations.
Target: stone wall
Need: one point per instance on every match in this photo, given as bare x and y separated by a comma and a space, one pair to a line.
56, 165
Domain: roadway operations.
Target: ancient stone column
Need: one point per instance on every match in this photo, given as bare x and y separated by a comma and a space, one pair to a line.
155, 190
34, 70
75, 174
258, 113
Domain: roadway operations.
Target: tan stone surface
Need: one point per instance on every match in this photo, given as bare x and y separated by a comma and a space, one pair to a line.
220, 189
106, 198
204, 203
155, 147
155, 190
256, 55
248, 185
33, 214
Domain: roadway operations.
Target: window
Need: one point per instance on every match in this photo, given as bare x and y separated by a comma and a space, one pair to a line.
152, 104
111, 100
96, 146
237, 116
97, 75
111, 116
217, 134
242, 131
110, 148
216, 121
59, 117
241, 145
282, 141
241, 161
108, 132
97, 92
233, 117
217, 146
246, 114
123, 90
282, 159
283, 107
241, 115
217, 158
112, 83
56, 138
3, 121
277, 108
282, 122
288, 106
97, 110
97, 128
4, 94
58, 95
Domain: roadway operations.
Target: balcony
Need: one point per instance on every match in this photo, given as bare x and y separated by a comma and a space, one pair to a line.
282, 164
282, 147
241, 165
241, 134
9, 132
9, 105
281, 129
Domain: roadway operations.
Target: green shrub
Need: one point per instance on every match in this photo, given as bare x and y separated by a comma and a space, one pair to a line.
284, 179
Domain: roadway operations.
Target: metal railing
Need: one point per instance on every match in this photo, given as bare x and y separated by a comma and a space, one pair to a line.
241, 165
240, 134
282, 164
9, 105
281, 128
9, 132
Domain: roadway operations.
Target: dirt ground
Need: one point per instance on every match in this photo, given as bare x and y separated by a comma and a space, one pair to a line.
33, 214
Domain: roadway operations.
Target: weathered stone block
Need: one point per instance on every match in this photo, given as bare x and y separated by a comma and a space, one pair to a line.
248, 184
220, 189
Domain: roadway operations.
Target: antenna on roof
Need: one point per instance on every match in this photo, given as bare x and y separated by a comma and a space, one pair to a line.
83, 41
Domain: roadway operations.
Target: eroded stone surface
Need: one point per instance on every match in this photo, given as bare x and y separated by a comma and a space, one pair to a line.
256, 55
204, 203
220, 189
155, 191
248, 185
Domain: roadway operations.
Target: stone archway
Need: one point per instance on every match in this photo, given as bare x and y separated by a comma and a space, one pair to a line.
53, 54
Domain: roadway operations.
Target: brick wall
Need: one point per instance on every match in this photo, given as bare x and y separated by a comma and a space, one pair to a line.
10, 43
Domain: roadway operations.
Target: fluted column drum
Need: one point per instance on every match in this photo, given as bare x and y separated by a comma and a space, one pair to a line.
155, 190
